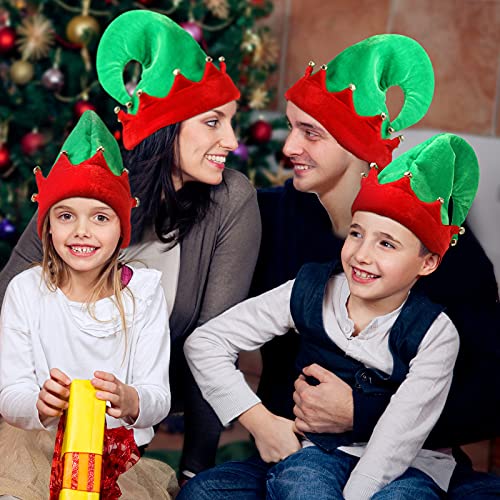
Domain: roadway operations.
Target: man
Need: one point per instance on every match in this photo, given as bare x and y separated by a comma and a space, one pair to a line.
350, 322
328, 159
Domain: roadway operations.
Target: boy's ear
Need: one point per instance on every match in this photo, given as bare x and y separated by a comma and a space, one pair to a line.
430, 264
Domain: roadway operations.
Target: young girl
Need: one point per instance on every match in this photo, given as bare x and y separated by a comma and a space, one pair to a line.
81, 314
198, 221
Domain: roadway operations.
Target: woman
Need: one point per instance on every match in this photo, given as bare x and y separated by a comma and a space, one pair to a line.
197, 223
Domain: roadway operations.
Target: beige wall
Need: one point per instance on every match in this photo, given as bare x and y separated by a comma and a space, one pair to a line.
462, 38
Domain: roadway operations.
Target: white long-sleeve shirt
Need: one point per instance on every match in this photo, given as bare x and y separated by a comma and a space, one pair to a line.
41, 329
397, 439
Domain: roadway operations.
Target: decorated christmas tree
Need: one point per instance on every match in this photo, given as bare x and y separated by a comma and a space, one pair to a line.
48, 79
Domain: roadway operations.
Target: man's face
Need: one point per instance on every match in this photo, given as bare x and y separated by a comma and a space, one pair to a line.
319, 160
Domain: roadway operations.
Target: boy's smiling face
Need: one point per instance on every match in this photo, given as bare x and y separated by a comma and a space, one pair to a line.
382, 260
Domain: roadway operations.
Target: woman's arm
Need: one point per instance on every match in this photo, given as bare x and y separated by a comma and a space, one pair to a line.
27, 251
411, 414
236, 249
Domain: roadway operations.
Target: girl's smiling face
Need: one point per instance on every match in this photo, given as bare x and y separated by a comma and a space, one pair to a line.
85, 233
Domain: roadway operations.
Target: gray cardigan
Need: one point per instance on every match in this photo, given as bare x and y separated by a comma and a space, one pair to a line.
217, 262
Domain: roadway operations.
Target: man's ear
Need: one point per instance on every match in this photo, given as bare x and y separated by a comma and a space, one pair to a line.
430, 264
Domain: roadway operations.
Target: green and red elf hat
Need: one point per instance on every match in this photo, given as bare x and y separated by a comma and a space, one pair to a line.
89, 165
348, 95
417, 187
178, 80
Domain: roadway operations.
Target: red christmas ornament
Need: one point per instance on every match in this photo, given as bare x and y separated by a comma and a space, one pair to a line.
7, 39
258, 3
261, 131
193, 29
117, 135
4, 158
146, 2
82, 106
31, 143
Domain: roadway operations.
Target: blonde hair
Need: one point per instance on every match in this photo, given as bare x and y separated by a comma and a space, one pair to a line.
56, 274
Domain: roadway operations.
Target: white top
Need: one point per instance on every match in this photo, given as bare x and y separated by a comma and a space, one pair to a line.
152, 253
40, 330
396, 441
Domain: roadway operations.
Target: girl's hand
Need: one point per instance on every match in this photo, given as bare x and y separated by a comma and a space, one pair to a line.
123, 398
274, 436
53, 396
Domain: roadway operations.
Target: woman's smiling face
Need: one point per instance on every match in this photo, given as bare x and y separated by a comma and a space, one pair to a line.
205, 140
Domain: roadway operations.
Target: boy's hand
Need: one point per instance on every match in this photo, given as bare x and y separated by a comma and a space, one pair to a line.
274, 436
123, 398
53, 396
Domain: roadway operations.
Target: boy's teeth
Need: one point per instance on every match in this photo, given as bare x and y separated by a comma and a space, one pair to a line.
217, 158
302, 167
83, 249
362, 274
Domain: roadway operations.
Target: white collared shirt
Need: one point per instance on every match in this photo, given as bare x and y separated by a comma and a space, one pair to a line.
213, 348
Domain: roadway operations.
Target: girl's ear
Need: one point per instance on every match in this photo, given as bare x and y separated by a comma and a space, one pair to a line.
430, 264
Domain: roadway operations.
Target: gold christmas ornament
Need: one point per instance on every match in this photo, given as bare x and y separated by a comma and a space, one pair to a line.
267, 51
35, 37
250, 41
82, 29
219, 8
19, 4
22, 72
259, 98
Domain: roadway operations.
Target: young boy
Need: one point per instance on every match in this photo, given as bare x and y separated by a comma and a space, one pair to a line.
366, 327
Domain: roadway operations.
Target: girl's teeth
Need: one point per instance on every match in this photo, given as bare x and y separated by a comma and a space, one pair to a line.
302, 167
83, 249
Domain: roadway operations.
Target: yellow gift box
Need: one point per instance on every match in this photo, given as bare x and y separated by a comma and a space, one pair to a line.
83, 443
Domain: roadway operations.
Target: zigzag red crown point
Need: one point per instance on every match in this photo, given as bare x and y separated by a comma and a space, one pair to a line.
344, 96
398, 201
361, 135
185, 99
404, 185
91, 178
63, 162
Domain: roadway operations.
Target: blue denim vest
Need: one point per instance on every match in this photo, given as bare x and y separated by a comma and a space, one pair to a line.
415, 318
